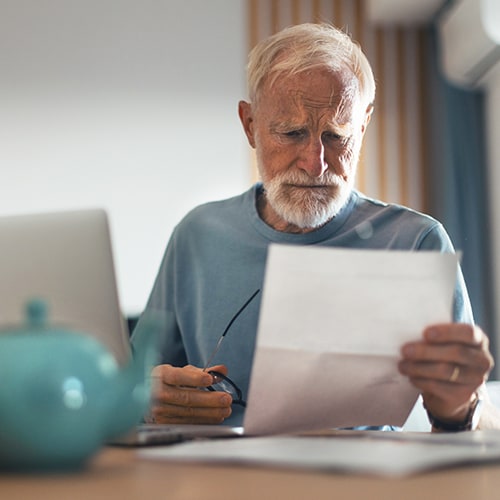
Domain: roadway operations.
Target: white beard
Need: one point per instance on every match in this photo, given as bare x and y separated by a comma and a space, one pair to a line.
307, 207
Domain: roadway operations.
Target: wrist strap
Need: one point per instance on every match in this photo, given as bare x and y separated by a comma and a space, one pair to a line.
470, 423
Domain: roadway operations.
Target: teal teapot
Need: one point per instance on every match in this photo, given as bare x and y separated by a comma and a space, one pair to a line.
63, 395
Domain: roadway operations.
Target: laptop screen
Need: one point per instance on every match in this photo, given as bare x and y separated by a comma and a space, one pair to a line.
65, 259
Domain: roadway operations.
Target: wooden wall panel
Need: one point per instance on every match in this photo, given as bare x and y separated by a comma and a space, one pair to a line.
391, 165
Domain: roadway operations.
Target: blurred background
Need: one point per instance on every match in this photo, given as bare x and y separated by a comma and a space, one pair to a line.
132, 106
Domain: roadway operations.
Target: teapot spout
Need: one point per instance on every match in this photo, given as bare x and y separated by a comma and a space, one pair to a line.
133, 398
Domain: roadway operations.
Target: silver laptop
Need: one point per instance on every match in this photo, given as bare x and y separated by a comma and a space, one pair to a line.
65, 259
162, 434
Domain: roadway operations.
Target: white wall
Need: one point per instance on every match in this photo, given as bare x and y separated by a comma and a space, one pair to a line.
126, 104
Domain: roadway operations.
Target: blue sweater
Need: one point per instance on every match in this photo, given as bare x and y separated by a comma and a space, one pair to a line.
216, 258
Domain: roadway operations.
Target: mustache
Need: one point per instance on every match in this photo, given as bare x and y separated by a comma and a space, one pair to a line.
300, 178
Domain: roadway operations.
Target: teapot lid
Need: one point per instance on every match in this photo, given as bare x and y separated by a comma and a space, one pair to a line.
36, 313
36, 319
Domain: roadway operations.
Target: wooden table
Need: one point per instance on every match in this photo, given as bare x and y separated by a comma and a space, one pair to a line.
118, 474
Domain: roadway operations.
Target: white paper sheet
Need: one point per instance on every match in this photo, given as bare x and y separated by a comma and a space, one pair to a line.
331, 327
370, 452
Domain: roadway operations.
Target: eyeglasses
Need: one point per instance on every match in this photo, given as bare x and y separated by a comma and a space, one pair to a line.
221, 382
225, 384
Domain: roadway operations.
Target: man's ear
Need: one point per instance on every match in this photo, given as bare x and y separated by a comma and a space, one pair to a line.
246, 117
368, 116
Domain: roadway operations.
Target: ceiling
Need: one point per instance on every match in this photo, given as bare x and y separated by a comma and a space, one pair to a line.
402, 11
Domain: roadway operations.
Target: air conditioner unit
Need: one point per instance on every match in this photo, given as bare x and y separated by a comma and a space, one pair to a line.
469, 33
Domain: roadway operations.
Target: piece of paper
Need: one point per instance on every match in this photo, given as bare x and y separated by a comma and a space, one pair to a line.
369, 452
331, 326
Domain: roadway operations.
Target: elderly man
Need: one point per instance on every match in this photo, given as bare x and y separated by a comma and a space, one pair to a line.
311, 98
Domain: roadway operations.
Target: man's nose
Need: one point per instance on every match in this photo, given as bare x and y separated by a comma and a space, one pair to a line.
312, 159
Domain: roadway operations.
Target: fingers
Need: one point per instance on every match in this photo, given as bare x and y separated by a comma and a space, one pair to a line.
452, 364
177, 397
454, 353
217, 368
448, 366
455, 332
189, 376
182, 405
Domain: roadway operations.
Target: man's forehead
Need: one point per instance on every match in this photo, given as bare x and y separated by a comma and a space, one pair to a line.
316, 89
319, 99
297, 107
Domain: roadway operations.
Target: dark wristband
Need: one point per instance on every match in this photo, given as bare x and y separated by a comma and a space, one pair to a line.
470, 423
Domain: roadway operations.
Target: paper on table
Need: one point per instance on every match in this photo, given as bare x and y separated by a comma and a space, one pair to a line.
331, 326
369, 452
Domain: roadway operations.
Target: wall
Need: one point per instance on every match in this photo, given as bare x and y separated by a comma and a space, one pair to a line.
125, 104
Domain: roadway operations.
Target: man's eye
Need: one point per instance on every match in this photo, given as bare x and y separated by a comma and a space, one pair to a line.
331, 136
295, 134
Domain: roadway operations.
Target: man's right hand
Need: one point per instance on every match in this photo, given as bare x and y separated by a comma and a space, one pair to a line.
178, 396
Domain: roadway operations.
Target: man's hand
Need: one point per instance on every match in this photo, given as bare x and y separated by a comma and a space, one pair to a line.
178, 396
448, 365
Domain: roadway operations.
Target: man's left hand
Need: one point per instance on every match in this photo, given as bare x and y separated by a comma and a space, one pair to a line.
448, 365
